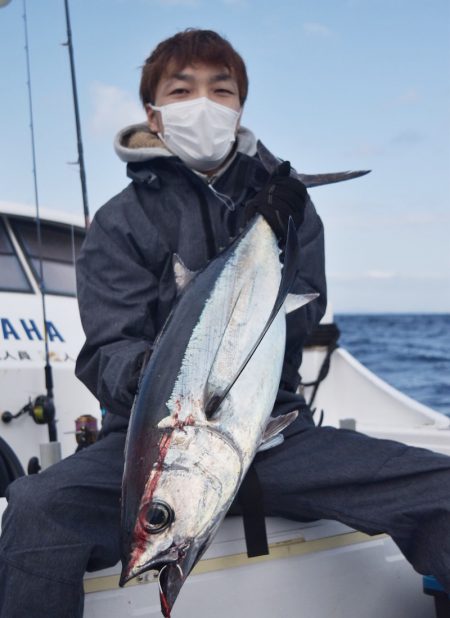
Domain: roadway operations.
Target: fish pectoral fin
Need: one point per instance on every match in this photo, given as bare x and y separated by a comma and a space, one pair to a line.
183, 275
295, 301
288, 275
212, 405
277, 424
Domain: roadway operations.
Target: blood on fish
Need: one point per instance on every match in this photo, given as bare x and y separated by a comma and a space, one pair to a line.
165, 608
140, 532
163, 447
189, 421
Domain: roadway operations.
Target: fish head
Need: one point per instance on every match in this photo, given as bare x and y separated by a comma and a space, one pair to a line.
185, 499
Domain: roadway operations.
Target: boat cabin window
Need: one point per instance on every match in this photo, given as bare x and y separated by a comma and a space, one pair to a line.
60, 248
12, 276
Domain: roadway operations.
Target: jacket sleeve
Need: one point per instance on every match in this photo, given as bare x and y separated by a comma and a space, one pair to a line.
117, 296
311, 278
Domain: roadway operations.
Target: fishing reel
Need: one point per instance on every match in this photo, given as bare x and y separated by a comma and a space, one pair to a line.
41, 410
86, 431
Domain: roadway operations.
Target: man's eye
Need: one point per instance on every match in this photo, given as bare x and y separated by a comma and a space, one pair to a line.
178, 91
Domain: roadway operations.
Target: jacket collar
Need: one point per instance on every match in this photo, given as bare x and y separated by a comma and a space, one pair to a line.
136, 143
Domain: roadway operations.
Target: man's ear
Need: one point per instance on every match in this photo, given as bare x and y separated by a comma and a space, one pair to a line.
154, 119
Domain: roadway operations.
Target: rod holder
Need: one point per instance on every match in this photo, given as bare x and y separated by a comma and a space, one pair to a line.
50, 453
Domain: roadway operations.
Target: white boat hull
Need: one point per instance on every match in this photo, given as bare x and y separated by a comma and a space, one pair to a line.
353, 396
319, 570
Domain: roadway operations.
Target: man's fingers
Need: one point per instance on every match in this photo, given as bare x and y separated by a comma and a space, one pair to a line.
283, 170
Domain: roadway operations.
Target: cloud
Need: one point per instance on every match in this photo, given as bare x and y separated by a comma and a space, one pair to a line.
386, 275
316, 29
367, 149
400, 294
379, 274
386, 218
411, 96
407, 137
112, 109
408, 97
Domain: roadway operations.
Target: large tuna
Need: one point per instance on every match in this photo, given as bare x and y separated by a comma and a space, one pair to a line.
203, 407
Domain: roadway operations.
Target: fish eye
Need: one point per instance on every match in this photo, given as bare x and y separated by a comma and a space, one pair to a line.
159, 517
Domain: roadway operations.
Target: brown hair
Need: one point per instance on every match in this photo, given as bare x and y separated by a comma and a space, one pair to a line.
190, 47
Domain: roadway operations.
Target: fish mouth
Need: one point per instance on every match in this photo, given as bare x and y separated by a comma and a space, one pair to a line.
130, 573
132, 570
171, 578
134, 563
172, 573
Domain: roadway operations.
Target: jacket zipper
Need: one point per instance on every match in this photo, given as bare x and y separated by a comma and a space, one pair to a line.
207, 226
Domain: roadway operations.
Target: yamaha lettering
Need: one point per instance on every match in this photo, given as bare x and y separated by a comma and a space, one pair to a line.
31, 329
28, 330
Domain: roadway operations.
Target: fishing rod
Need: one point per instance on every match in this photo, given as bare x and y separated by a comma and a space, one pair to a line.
80, 161
44, 408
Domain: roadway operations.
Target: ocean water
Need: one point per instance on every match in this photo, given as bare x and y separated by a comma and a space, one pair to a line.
409, 351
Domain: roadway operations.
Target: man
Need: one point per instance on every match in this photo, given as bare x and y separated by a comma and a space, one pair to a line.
196, 181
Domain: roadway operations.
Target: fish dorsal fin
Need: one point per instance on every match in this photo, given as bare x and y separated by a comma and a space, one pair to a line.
269, 160
295, 301
318, 180
183, 275
288, 275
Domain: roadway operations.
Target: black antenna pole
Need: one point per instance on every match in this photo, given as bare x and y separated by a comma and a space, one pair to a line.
48, 369
77, 119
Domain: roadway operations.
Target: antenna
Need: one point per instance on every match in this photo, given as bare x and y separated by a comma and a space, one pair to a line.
77, 118
49, 406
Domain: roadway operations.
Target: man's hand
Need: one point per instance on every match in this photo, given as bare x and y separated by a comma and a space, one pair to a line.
281, 198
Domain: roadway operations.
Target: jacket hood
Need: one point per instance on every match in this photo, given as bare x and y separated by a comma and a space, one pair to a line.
136, 143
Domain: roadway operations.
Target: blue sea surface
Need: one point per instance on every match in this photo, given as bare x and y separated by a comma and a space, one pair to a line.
409, 351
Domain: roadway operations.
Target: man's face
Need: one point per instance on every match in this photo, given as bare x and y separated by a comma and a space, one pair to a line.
193, 82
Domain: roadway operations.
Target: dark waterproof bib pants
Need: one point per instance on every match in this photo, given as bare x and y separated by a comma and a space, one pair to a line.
66, 520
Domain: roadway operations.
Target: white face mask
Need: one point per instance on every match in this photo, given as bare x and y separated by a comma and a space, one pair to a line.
199, 131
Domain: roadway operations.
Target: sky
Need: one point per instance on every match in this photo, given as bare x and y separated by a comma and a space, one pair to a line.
334, 85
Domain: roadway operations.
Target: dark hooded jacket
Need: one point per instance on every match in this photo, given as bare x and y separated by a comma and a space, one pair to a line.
125, 278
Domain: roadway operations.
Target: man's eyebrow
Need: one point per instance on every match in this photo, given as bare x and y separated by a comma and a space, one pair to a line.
187, 77
221, 77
